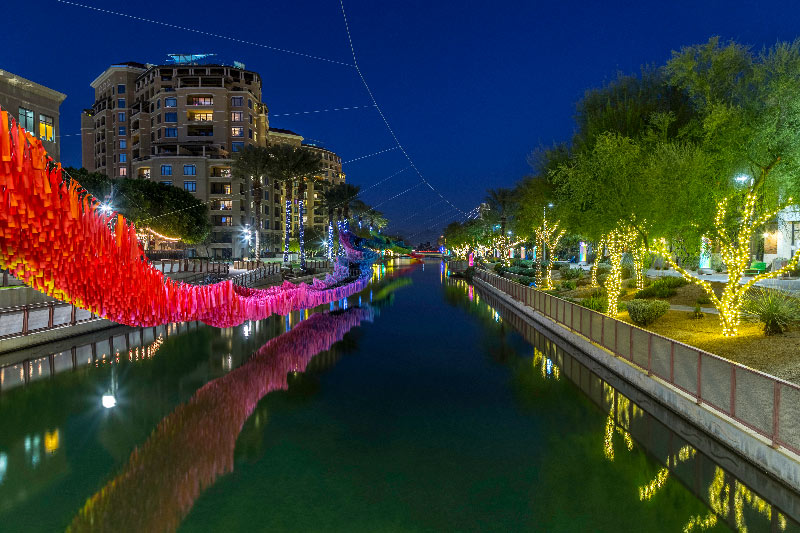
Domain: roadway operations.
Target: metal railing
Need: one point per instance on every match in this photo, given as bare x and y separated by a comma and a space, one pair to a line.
171, 266
139, 344
247, 279
766, 404
33, 318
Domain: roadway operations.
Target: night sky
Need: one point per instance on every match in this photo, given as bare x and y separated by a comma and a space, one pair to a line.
469, 88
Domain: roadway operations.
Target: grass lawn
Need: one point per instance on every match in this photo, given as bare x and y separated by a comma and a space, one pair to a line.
778, 355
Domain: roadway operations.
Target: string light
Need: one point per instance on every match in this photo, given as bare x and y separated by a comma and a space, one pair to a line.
735, 254
548, 236
160, 236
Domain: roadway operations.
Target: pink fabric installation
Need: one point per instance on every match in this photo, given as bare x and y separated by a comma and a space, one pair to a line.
194, 445
54, 237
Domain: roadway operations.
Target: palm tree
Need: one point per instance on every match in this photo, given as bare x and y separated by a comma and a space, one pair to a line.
290, 163
335, 199
252, 164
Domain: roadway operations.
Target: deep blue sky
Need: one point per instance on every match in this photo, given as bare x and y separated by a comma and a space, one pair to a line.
469, 87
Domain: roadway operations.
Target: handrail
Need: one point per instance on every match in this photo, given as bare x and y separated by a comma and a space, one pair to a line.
764, 403
25, 311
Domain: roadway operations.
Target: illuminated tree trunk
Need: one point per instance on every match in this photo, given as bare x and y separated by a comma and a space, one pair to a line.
638, 266
736, 255
616, 242
549, 237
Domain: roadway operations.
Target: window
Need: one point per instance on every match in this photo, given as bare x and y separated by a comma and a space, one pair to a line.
170, 117
123, 143
200, 100
121, 116
206, 117
250, 133
144, 173
223, 205
165, 182
121, 103
236, 116
46, 128
121, 89
249, 103
123, 158
266, 195
237, 131
166, 170
237, 146
158, 104
190, 186
171, 102
251, 119
26, 118
223, 221
123, 171
170, 132
122, 130
189, 170
237, 101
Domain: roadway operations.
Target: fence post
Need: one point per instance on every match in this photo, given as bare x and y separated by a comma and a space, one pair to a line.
73, 316
51, 315
699, 378
25, 320
776, 406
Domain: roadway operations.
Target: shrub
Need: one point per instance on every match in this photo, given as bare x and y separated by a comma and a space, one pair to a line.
716, 263
603, 268
568, 285
469, 273
703, 300
571, 273
697, 313
673, 282
595, 303
627, 271
644, 312
661, 288
775, 309
499, 268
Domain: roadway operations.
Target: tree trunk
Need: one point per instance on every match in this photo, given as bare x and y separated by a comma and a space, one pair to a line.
287, 229
258, 193
330, 234
301, 187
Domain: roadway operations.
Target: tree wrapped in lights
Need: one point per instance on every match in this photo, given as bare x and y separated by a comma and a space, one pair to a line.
617, 242
734, 244
548, 237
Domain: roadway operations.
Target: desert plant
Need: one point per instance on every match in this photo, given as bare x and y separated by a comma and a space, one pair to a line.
595, 303
775, 309
568, 285
697, 313
644, 312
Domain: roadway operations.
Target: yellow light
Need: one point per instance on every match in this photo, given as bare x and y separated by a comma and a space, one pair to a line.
170, 239
51, 441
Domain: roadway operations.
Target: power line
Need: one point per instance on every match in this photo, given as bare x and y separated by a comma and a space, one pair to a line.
380, 111
370, 155
210, 34
417, 213
322, 111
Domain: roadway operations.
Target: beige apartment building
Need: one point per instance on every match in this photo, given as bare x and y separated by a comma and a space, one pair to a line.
181, 125
35, 107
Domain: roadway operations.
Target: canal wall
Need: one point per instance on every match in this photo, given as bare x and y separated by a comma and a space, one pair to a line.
777, 460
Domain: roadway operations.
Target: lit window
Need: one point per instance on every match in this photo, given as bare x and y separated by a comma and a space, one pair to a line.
165, 182
120, 89
190, 186
171, 102
123, 171
121, 103
237, 146
170, 132
46, 132
237, 101
26, 118
236, 116
144, 173
121, 116
166, 170
200, 100
189, 170
123, 143
123, 158
122, 130
207, 117
170, 117
237, 131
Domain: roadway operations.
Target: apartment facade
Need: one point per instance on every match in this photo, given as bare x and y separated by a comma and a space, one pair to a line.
35, 107
181, 125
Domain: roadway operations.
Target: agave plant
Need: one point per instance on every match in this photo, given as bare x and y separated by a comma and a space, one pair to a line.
777, 310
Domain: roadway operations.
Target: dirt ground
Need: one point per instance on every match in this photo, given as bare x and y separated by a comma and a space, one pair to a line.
778, 355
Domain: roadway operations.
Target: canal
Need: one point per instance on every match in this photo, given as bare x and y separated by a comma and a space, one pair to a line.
420, 404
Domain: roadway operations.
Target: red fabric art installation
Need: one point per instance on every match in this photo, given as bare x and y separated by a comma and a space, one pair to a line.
55, 239
194, 445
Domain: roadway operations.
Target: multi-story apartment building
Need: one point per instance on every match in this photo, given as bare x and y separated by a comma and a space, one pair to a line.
316, 216
35, 106
181, 125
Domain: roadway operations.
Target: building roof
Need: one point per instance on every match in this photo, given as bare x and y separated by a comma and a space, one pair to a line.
19, 81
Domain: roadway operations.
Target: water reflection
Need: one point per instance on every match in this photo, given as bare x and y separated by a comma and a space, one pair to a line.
629, 430
195, 444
